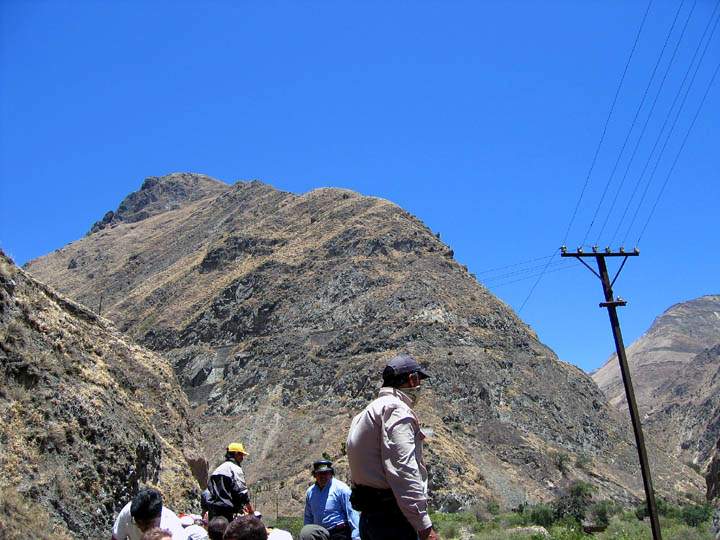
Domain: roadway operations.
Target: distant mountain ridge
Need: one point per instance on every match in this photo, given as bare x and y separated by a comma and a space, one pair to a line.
278, 311
675, 367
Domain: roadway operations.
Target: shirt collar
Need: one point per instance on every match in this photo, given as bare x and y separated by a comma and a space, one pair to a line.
387, 391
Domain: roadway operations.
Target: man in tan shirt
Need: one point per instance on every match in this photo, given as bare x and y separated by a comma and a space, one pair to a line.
384, 449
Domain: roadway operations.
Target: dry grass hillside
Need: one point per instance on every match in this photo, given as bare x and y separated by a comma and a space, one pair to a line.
675, 367
278, 312
87, 416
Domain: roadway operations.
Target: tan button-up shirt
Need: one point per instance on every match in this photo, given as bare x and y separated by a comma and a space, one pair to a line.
384, 449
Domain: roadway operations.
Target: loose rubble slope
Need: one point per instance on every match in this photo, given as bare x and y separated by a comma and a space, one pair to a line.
86, 417
278, 311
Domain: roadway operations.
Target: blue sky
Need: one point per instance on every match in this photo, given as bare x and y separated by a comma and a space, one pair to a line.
481, 118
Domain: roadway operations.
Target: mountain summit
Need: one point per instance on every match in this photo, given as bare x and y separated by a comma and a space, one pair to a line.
278, 312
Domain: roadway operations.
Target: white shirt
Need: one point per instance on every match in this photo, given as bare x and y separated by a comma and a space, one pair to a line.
279, 534
196, 532
384, 449
126, 529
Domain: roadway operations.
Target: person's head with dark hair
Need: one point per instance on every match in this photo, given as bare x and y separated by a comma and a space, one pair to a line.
246, 527
403, 371
156, 533
323, 472
146, 508
216, 527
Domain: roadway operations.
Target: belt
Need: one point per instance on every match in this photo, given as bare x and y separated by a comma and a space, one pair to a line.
340, 527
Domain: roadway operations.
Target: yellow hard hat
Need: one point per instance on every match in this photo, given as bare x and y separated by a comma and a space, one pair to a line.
237, 447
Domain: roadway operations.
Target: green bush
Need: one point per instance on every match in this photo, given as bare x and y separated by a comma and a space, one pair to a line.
493, 507
541, 514
694, 515
575, 503
601, 513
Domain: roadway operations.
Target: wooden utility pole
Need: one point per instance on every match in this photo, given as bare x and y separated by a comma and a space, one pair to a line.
612, 305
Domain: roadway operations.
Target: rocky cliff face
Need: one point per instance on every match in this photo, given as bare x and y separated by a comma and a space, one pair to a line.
86, 417
278, 312
676, 372
712, 477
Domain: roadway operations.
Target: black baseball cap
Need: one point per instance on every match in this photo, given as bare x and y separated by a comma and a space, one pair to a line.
323, 465
402, 364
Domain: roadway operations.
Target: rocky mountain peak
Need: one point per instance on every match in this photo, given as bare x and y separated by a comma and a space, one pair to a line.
279, 310
160, 194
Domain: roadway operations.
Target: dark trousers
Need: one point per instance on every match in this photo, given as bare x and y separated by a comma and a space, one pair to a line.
388, 525
316, 532
215, 511
341, 534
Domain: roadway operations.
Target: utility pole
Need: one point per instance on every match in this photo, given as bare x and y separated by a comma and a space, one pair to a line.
612, 305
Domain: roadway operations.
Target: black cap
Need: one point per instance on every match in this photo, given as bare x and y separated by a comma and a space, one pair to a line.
323, 465
402, 364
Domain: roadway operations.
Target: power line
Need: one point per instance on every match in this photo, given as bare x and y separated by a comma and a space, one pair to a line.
659, 137
595, 155
489, 270
672, 168
502, 284
645, 125
607, 121
632, 125
674, 123
529, 269
534, 286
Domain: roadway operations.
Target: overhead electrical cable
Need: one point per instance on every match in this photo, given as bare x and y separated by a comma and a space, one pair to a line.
595, 155
607, 121
531, 269
634, 120
677, 156
645, 125
660, 137
670, 131
489, 270
502, 284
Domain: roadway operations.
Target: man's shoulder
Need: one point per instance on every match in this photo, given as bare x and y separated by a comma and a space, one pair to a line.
227, 468
340, 485
311, 489
169, 515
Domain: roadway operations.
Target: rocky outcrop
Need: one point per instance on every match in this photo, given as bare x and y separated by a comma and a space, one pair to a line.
278, 312
87, 417
158, 195
712, 477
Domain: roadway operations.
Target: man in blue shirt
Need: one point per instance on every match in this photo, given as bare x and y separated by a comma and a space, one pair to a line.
328, 514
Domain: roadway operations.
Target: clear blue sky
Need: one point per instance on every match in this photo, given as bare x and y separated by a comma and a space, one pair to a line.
481, 118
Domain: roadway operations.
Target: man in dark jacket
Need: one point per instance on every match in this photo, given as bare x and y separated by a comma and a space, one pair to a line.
228, 493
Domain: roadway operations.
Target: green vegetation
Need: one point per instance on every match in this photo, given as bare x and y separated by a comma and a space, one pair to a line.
688, 522
561, 519
290, 524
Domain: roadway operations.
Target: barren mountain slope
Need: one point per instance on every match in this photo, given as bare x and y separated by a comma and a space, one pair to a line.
660, 355
676, 372
86, 417
278, 312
